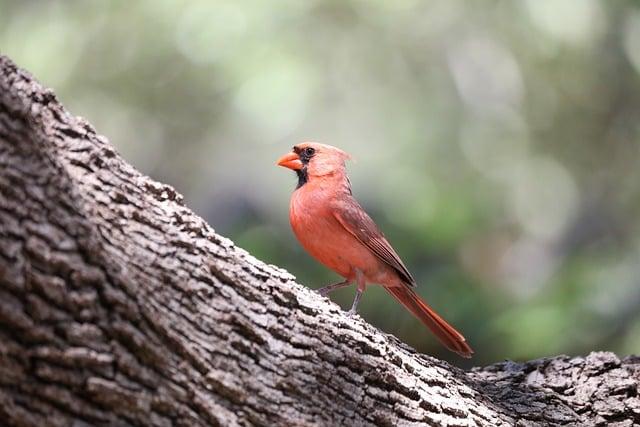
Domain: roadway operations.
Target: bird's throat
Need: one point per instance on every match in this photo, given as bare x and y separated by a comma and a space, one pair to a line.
303, 177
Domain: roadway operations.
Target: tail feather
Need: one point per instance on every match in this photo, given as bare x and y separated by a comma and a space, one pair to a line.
446, 333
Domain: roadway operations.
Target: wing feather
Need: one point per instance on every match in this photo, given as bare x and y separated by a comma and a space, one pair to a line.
355, 220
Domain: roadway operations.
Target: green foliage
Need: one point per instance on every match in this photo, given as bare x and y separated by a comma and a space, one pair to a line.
497, 142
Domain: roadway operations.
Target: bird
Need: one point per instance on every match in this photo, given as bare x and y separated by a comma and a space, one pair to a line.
333, 227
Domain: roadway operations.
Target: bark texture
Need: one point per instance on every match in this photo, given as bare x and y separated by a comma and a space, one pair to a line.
119, 306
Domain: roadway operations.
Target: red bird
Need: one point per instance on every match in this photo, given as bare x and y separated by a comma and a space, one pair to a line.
332, 226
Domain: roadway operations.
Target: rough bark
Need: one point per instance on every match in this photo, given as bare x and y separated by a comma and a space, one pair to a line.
119, 306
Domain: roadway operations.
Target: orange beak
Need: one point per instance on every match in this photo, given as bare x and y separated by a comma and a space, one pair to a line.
291, 161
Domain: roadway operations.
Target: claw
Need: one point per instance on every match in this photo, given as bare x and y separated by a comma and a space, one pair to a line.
327, 289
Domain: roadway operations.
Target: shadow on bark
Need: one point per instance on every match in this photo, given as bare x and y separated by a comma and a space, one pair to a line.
119, 306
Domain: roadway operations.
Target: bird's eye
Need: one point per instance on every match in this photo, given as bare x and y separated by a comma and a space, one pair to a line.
309, 151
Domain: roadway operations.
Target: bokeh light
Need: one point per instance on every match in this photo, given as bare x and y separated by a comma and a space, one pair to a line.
496, 143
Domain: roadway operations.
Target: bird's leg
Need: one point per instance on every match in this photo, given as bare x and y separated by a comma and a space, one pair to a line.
356, 300
330, 288
359, 291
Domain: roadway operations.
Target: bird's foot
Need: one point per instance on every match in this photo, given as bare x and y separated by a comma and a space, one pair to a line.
329, 288
354, 306
323, 292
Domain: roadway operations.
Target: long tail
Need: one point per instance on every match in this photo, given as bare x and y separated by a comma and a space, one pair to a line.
446, 333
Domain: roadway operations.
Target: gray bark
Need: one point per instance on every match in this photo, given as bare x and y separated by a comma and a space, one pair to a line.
120, 306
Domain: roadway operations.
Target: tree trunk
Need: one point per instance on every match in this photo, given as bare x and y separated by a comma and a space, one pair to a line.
120, 306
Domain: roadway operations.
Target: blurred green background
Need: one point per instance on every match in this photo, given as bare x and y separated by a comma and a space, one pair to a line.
497, 143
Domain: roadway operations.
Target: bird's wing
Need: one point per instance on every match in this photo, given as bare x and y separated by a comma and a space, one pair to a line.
355, 220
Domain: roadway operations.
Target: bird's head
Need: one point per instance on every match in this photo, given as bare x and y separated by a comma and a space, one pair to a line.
312, 160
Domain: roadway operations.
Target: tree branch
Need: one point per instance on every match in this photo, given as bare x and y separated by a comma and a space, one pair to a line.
120, 306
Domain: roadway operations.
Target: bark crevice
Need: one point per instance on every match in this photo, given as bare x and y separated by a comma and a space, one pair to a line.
119, 306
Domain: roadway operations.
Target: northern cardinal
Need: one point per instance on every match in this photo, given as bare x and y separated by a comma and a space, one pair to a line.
332, 226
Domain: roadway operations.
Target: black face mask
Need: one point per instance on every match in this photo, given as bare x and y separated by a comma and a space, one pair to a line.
305, 156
